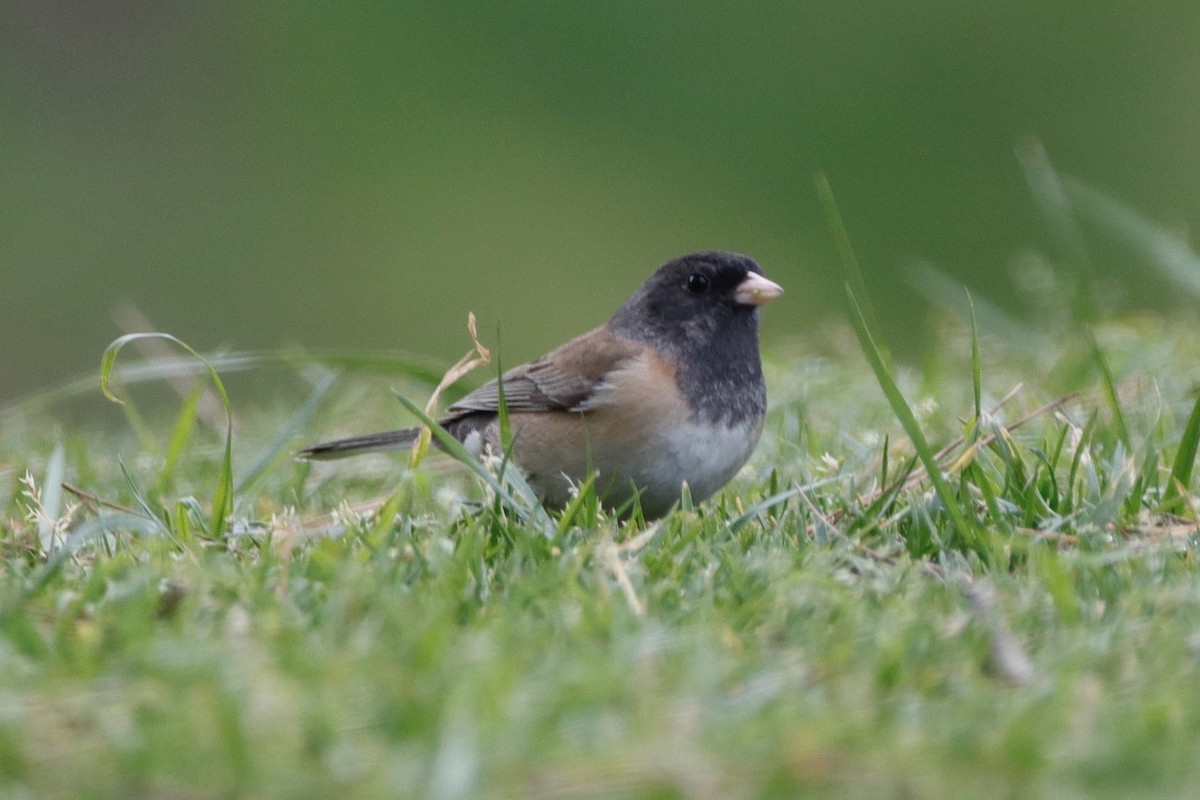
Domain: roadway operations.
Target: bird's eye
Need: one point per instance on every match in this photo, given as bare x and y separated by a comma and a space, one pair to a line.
697, 283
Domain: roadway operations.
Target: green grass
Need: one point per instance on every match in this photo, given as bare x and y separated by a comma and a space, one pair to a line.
845, 639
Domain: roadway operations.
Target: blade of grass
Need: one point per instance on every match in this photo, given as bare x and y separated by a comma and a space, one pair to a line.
477, 356
774, 500
502, 409
1058, 213
528, 508
52, 491
583, 504
222, 501
1050, 194
976, 369
881, 365
883, 461
879, 503
1184, 463
110, 522
185, 425
1109, 386
298, 422
387, 514
141, 501
841, 238
160, 369
965, 527
1160, 247
943, 291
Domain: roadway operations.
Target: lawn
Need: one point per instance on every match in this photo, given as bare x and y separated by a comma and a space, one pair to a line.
833, 624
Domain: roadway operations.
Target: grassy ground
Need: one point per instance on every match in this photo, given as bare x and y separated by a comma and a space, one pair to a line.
1030, 625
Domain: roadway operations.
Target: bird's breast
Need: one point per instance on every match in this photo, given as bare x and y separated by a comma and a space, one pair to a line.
640, 436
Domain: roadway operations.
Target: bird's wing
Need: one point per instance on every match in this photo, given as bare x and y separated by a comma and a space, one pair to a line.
568, 378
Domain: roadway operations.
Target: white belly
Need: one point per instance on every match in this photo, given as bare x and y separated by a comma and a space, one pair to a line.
705, 457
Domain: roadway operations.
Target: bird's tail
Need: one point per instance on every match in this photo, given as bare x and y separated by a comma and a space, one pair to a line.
360, 445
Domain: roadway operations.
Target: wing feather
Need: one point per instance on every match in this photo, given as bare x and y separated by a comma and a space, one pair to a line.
568, 378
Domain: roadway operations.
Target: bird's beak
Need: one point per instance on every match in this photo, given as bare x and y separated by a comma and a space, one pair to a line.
754, 290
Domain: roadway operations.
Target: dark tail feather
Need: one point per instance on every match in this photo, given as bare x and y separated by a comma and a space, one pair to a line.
360, 445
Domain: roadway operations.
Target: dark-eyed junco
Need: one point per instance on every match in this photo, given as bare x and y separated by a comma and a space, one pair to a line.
668, 391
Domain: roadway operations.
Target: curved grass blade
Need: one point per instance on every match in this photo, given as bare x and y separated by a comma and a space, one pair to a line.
477, 356
222, 502
160, 368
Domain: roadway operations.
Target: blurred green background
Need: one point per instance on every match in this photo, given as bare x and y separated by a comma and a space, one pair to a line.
361, 175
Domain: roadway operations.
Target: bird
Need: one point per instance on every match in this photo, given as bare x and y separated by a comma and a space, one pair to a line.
668, 392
